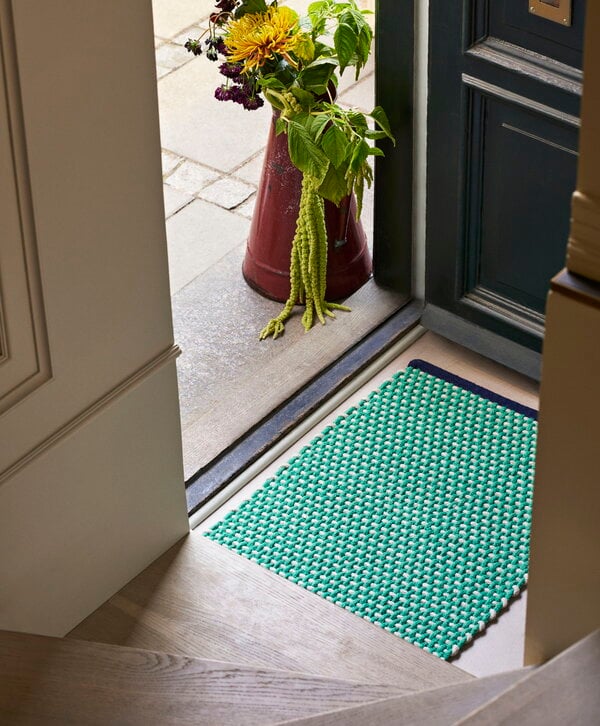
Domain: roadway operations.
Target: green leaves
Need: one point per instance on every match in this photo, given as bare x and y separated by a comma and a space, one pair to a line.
359, 156
332, 145
304, 98
381, 119
352, 39
280, 126
345, 41
272, 81
315, 125
304, 153
316, 76
335, 145
335, 185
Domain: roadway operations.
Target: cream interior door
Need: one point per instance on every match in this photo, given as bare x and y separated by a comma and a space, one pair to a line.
91, 481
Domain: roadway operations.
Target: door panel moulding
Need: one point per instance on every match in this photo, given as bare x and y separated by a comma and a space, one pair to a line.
541, 139
483, 341
24, 349
167, 356
488, 20
528, 63
475, 294
491, 89
505, 309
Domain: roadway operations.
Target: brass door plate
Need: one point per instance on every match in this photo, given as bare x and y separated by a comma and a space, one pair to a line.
559, 11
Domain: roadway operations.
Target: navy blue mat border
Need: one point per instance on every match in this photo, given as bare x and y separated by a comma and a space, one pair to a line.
473, 387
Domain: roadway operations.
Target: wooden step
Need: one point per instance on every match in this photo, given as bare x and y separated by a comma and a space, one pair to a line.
51, 680
566, 690
437, 707
202, 600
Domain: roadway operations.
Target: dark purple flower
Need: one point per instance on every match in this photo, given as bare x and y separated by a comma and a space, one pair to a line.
252, 103
231, 70
214, 46
238, 94
193, 46
226, 6
222, 93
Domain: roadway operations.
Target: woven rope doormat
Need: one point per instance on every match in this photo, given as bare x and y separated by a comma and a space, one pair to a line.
412, 510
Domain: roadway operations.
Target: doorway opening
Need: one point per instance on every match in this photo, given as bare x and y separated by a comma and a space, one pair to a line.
230, 383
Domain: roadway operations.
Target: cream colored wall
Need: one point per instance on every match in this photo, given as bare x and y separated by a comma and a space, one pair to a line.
564, 580
91, 482
564, 572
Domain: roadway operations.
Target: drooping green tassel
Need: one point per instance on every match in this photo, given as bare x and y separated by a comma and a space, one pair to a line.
308, 265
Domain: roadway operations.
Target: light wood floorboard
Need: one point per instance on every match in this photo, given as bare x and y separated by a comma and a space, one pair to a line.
566, 690
51, 680
202, 600
438, 707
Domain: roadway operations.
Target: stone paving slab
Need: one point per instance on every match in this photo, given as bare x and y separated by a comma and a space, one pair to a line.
169, 162
225, 368
191, 33
227, 193
174, 200
197, 237
361, 95
195, 125
250, 172
190, 177
172, 56
216, 320
247, 208
173, 16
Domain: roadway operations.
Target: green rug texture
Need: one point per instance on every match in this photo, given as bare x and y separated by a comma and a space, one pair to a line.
412, 510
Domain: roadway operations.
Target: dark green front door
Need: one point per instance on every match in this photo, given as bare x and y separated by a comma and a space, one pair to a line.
503, 119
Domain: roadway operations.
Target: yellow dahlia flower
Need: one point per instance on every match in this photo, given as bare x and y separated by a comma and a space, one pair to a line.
255, 37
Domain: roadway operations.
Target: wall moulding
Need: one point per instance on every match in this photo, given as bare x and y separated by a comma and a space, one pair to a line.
24, 350
583, 250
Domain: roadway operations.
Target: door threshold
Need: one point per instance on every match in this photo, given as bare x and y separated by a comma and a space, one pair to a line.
210, 487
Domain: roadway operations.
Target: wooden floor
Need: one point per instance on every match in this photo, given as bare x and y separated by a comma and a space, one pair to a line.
58, 681
235, 644
204, 601
201, 600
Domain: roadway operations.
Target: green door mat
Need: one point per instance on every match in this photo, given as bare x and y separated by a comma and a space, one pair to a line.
412, 510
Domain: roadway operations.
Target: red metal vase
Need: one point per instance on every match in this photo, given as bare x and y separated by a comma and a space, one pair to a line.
266, 266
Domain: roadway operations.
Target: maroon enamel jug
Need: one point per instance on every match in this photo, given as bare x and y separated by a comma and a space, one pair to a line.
266, 266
